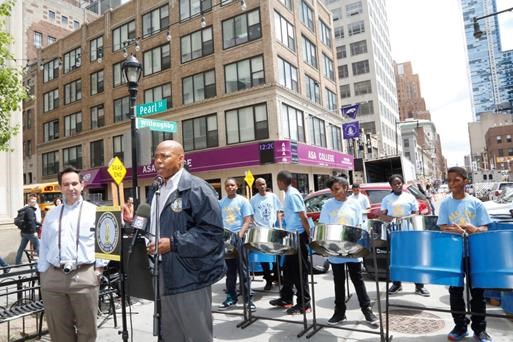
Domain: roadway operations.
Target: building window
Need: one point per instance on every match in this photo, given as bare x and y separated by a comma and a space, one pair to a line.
122, 34
312, 89
27, 123
293, 123
337, 14
341, 52
362, 88
510, 151
499, 139
318, 132
366, 108
241, 29
287, 3
325, 33
285, 32
72, 91
157, 59
50, 163
72, 156
155, 21
117, 147
287, 75
328, 68
38, 39
406, 143
50, 100
508, 138
307, 16
51, 130
361, 67
97, 116
244, 74
72, 60
357, 48
50, 40
246, 124
198, 87
96, 49
161, 92
76, 24
197, 44
97, 82
309, 52
191, 8
339, 32
72, 124
336, 138
158, 137
345, 91
27, 148
51, 70
355, 28
500, 152
64, 20
354, 8
96, 153
121, 109
118, 76
331, 100
51, 16
200, 133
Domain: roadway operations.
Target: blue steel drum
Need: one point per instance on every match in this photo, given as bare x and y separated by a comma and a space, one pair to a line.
427, 257
491, 259
255, 258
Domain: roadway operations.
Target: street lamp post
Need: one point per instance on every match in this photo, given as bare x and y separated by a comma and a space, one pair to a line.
132, 70
477, 30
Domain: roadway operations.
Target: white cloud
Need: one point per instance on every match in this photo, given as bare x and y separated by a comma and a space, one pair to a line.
430, 34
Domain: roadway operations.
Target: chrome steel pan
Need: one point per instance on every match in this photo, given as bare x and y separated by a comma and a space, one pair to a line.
378, 232
230, 252
427, 222
340, 240
272, 241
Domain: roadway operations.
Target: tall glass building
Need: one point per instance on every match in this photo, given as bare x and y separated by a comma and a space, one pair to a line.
490, 64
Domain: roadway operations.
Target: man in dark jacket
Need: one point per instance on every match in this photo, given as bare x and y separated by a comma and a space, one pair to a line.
191, 246
29, 229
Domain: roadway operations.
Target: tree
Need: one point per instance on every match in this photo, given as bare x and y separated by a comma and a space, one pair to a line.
12, 91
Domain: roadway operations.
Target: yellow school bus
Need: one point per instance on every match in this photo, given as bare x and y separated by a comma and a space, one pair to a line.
46, 193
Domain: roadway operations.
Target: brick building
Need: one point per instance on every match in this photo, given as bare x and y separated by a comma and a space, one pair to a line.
250, 88
499, 147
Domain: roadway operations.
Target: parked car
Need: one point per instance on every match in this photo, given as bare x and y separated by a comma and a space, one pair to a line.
498, 189
443, 189
375, 191
499, 209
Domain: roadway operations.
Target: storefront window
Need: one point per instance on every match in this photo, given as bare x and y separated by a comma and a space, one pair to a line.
320, 182
300, 182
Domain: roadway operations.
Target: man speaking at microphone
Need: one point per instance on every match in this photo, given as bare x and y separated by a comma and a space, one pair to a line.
191, 245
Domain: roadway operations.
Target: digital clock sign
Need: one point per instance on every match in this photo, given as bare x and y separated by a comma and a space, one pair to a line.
266, 152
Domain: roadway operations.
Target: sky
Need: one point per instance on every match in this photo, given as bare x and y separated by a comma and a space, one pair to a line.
430, 34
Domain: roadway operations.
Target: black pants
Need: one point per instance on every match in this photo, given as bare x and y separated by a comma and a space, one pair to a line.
268, 272
339, 276
233, 265
291, 274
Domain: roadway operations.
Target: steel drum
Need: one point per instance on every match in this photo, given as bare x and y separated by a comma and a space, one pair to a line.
378, 232
491, 259
427, 257
230, 252
340, 240
424, 222
272, 241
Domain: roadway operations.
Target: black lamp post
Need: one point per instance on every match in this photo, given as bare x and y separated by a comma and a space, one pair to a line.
132, 70
477, 30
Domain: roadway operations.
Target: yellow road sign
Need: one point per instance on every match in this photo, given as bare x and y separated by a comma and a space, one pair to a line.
116, 170
249, 178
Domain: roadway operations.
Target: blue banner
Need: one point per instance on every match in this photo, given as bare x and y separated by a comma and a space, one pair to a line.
350, 110
351, 130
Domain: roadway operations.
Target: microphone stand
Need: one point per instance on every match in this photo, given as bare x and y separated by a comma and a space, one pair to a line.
156, 272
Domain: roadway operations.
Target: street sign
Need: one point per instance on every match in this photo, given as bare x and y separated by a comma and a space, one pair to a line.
151, 108
156, 125
249, 178
116, 170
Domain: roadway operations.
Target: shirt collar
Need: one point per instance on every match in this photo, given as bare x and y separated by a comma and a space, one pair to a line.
74, 205
173, 180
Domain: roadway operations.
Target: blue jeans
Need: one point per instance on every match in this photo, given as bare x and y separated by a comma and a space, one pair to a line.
25, 238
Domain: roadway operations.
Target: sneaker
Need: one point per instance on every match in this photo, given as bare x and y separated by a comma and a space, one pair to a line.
370, 317
394, 289
337, 317
482, 337
281, 302
299, 310
268, 285
458, 333
422, 292
228, 303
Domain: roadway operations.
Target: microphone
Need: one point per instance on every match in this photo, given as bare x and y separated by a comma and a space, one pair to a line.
157, 182
141, 217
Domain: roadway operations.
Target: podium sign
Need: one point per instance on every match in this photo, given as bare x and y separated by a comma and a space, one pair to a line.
107, 243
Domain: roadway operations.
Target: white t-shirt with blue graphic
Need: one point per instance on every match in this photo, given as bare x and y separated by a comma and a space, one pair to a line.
348, 212
265, 209
234, 211
467, 210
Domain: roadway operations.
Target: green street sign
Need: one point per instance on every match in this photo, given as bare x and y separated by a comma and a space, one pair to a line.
156, 125
151, 108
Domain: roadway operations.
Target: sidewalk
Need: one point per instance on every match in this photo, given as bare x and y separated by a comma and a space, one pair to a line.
405, 326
